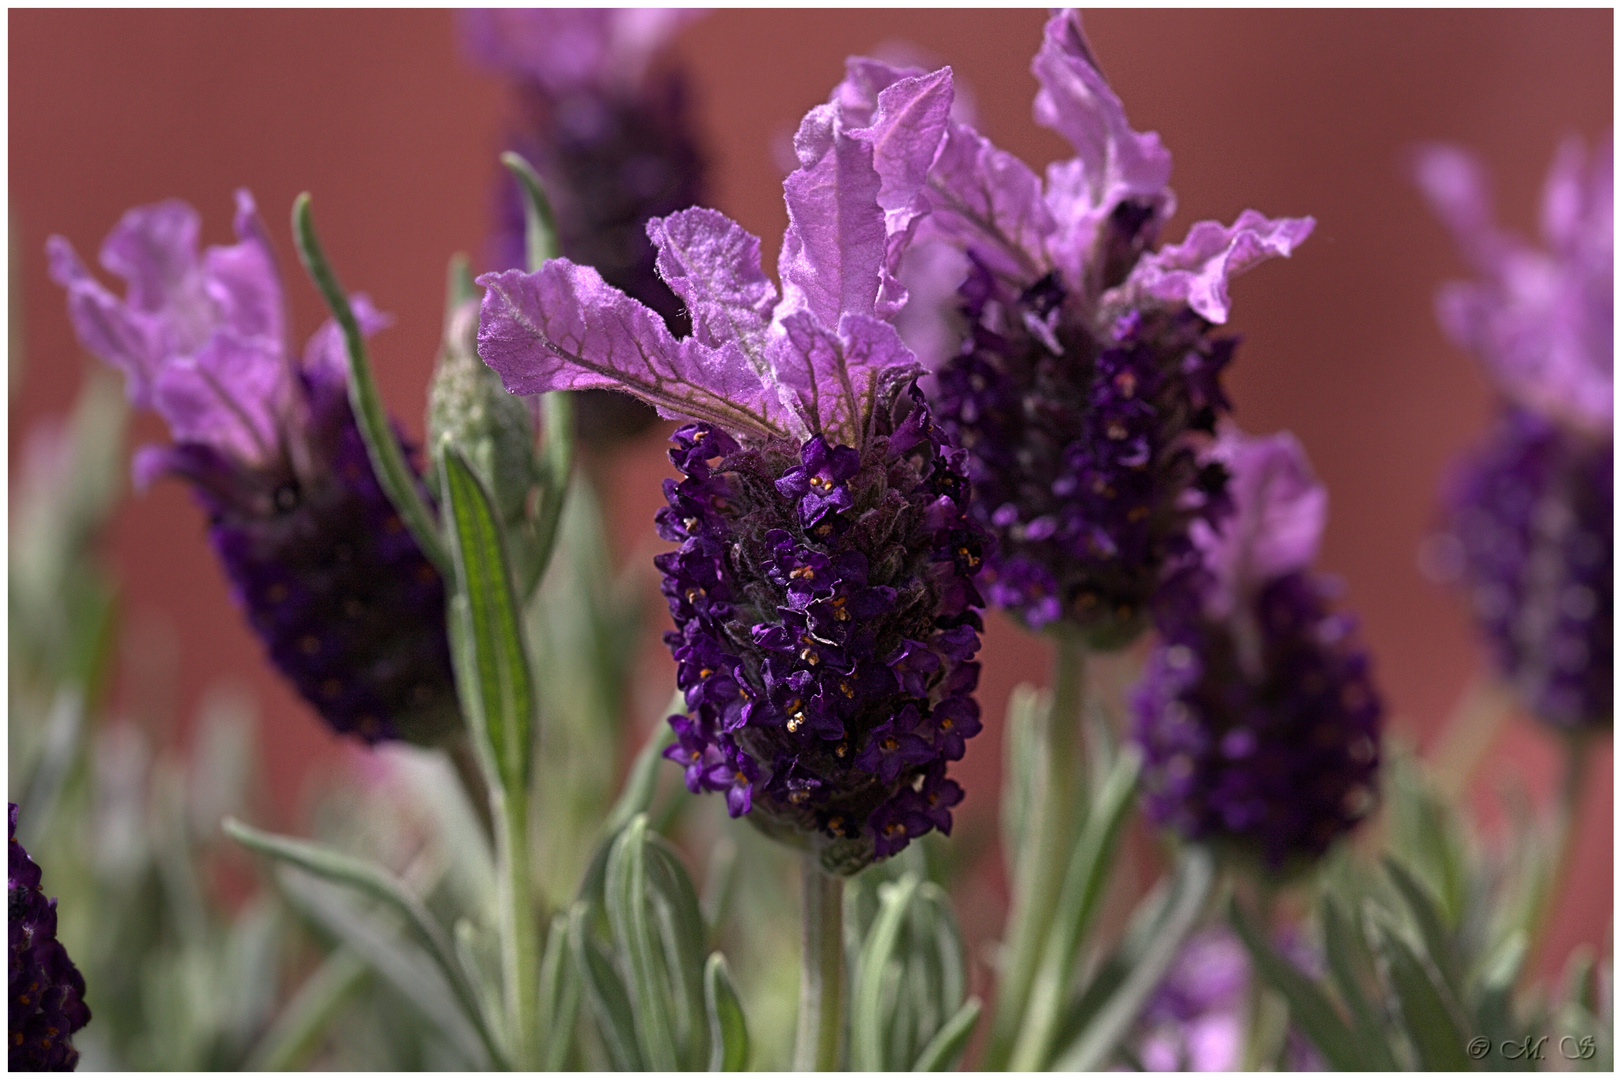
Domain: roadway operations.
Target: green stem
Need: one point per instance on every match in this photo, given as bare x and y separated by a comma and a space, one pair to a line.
1042, 868
1261, 1025
520, 941
822, 976
471, 774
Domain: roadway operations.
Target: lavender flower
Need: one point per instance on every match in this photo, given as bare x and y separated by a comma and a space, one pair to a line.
1256, 714
47, 991
1532, 506
615, 145
1078, 364
823, 593
331, 580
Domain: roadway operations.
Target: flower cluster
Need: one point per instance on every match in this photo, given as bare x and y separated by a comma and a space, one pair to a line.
614, 143
823, 590
1532, 507
331, 580
1256, 714
1078, 365
47, 992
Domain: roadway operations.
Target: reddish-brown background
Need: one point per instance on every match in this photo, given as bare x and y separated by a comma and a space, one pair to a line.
379, 116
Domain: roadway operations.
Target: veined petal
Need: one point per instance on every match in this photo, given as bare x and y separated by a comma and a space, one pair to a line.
833, 253
225, 396
1196, 271
713, 264
990, 202
836, 376
1279, 509
1077, 102
562, 328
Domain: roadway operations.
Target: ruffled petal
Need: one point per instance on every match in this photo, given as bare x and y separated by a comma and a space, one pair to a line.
1077, 102
563, 328
1196, 272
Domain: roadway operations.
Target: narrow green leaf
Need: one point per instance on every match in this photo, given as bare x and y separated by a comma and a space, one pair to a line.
394, 473
402, 964
867, 1008
1428, 920
485, 982
729, 1034
504, 705
1117, 963
368, 878
1495, 989
637, 795
459, 284
680, 926
1193, 878
605, 992
560, 995
1079, 898
629, 916
1349, 964
942, 1052
1309, 1006
540, 224
942, 940
1431, 1024
296, 1033
1021, 753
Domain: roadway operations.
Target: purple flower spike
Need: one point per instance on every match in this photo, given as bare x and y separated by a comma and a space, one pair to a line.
47, 991
344, 601
1257, 716
1074, 362
615, 144
823, 595
1532, 507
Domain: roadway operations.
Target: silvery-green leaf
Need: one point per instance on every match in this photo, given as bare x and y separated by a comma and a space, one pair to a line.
372, 880
1079, 897
729, 1035
629, 915
867, 999
1111, 1020
681, 929
1310, 1008
606, 994
942, 1051
1351, 967
296, 1033
1432, 1027
559, 996
404, 965
394, 473
1427, 920
540, 224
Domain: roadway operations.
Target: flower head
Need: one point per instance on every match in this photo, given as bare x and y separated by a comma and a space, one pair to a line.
614, 143
47, 991
1078, 363
1256, 714
823, 589
331, 580
1532, 506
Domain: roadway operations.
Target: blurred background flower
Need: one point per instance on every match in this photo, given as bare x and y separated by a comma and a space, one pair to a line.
380, 114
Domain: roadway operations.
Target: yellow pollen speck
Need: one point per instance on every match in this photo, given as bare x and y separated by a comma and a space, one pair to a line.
889, 745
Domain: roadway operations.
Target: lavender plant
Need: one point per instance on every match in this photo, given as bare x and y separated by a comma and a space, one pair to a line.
967, 378
330, 576
1531, 508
